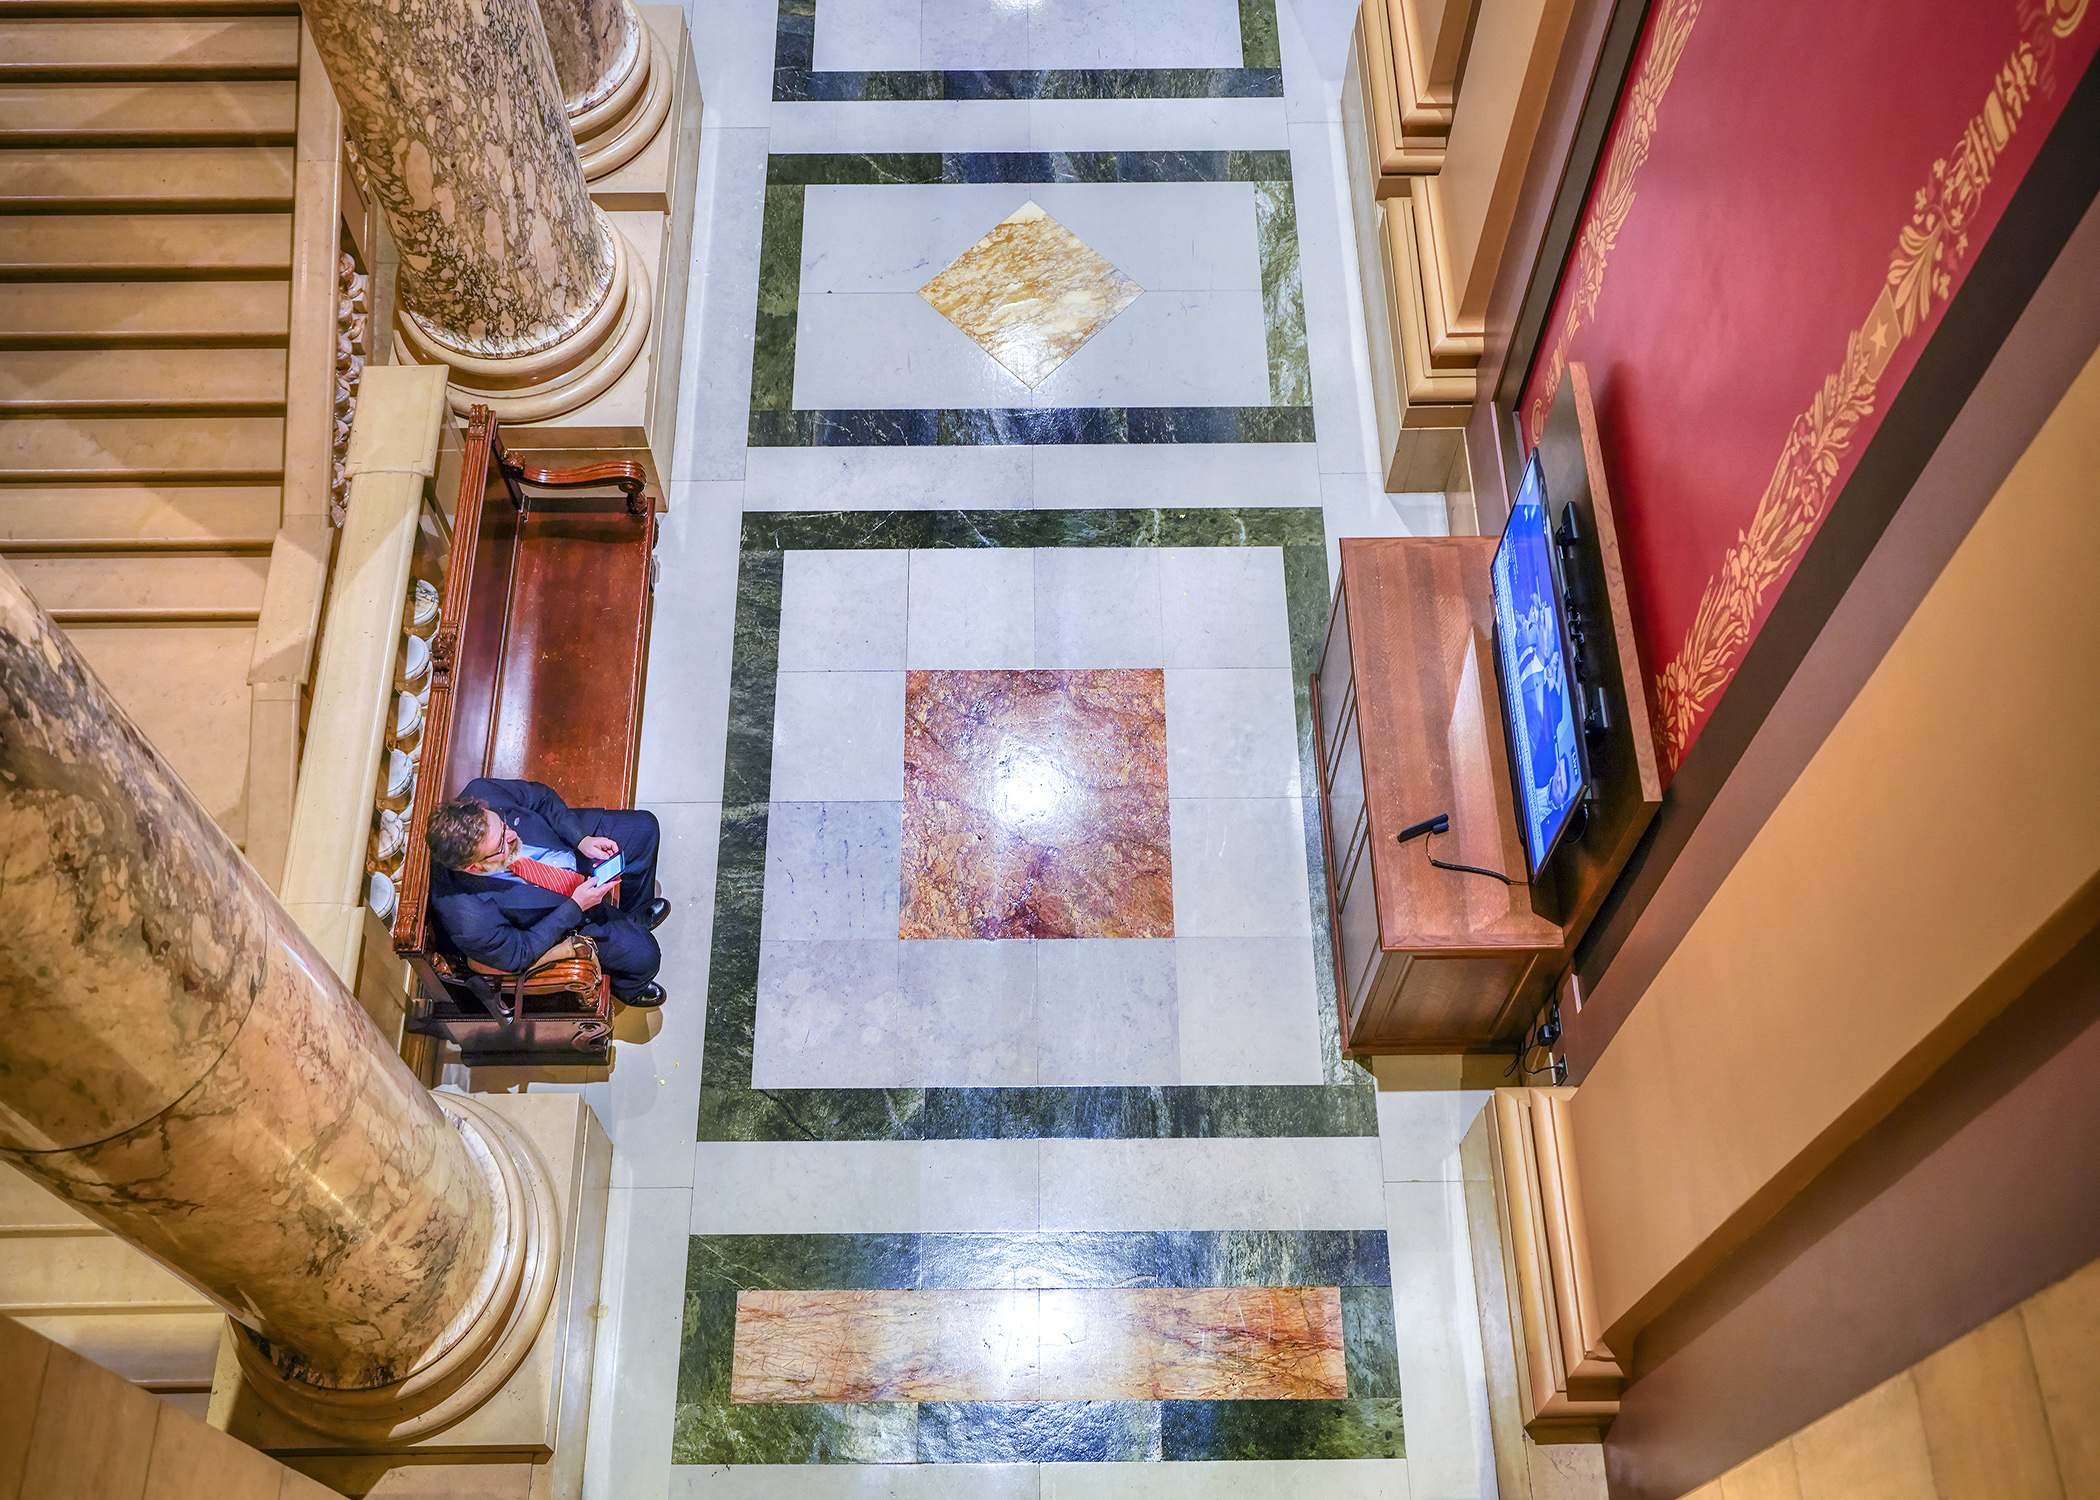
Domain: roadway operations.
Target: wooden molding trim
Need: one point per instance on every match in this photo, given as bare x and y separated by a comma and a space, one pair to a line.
1431, 396
1572, 1380
1406, 138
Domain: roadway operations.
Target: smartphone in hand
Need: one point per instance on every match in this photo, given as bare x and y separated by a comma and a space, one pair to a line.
608, 872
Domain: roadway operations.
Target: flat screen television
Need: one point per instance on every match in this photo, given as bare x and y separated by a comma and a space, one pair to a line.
1540, 696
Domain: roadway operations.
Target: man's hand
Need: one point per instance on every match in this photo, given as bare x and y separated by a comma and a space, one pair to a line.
595, 848
590, 893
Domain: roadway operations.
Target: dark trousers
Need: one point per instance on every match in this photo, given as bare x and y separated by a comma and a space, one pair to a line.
626, 947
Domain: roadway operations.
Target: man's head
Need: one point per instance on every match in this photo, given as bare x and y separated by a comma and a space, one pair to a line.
467, 835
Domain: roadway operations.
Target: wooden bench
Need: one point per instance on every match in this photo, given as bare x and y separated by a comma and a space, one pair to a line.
537, 668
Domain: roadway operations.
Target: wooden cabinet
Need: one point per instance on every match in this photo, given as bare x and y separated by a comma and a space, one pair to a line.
1408, 726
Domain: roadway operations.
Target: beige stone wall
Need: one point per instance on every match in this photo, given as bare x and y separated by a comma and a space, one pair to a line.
2011, 1410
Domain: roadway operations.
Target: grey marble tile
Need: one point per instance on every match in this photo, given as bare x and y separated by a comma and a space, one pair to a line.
685, 704
886, 479
714, 399
1105, 1011
1249, 1010
839, 736
843, 611
1097, 607
1442, 1372
830, 1014
971, 1015
1254, 1479
1224, 607
1231, 732
972, 609
634, 1380
833, 869
1419, 1132
733, 42
1239, 868
1210, 1184
1176, 474
865, 1187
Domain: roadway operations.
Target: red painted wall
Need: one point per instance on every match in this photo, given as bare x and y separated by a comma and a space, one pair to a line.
1791, 193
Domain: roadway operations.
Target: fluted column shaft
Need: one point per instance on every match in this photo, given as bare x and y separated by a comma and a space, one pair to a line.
457, 120
178, 1062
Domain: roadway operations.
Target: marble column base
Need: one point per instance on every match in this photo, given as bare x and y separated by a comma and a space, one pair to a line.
613, 132
536, 1414
552, 382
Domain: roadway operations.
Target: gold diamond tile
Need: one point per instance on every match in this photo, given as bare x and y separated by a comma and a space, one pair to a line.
1030, 292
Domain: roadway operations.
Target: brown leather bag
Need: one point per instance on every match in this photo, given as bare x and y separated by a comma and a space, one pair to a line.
570, 966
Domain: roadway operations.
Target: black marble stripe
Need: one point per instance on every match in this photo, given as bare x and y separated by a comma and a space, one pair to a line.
1041, 1113
919, 168
1352, 1259
1016, 426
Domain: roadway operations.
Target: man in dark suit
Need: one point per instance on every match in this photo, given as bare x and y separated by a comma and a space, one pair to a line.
510, 877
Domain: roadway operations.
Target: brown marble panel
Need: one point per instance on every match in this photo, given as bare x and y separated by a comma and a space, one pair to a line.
1035, 805
884, 1346
1121, 1344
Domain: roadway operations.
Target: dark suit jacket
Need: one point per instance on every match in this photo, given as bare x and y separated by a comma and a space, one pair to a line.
503, 922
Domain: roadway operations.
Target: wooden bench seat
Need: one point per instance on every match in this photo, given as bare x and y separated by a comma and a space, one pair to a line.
537, 668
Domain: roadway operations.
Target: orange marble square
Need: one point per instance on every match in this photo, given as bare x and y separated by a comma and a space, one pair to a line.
1035, 805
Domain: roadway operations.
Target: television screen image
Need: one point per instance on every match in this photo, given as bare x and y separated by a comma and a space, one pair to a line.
1538, 694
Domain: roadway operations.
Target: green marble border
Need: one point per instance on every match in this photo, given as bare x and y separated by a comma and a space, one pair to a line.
731, 1110
710, 1428
775, 421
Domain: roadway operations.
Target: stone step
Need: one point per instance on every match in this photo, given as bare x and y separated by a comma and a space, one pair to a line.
87, 1274
70, 247
141, 448
211, 112
102, 314
120, 517
162, 1351
100, 179
142, 380
189, 585
116, 48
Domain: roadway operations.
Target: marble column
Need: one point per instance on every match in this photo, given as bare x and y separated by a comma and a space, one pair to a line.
179, 1063
616, 90
457, 123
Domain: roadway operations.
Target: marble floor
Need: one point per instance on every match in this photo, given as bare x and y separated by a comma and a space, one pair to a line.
996, 1139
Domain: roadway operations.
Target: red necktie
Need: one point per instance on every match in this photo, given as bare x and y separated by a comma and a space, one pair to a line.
547, 877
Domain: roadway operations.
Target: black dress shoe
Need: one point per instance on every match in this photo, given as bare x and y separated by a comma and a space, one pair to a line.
648, 997
654, 913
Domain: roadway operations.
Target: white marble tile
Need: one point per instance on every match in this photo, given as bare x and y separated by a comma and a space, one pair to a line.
865, 36
733, 43
965, 35
864, 239
1256, 1479
885, 479
1169, 348
1110, 34
1082, 475
1314, 36
972, 608
1105, 1011
1097, 607
1224, 607
685, 704
1231, 732
833, 869
829, 1014
1339, 356
859, 1481
1165, 236
1162, 124
1443, 1377
903, 124
1249, 1010
863, 1187
1239, 868
1419, 1131
634, 1382
714, 392
970, 1012
893, 351
843, 611
838, 737
1324, 1183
